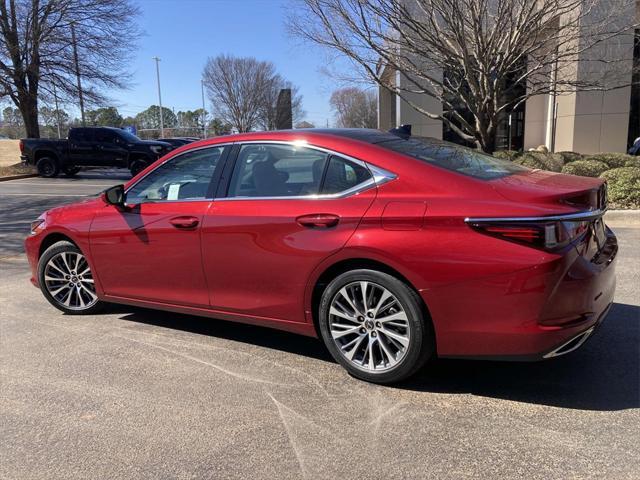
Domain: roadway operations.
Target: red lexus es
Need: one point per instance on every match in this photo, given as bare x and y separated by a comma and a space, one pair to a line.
392, 248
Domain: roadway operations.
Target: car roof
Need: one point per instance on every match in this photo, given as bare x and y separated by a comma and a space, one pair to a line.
366, 135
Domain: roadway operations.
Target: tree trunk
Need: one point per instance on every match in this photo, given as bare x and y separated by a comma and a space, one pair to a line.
486, 136
29, 110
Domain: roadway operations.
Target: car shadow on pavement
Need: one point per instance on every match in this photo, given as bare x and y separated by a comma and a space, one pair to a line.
238, 332
604, 374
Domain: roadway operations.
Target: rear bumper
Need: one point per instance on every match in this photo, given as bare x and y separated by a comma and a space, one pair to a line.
541, 312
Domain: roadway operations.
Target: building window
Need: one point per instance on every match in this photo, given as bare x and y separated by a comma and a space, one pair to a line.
510, 128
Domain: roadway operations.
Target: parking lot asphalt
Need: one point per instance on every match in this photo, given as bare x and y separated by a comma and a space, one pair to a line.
134, 393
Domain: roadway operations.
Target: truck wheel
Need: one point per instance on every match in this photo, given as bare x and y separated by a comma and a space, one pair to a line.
137, 166
47, 167
71, 171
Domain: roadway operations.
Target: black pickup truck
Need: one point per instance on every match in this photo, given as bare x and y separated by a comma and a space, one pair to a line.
91, 147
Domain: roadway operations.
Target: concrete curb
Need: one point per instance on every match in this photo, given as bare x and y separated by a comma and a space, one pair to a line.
17, 177
623, 218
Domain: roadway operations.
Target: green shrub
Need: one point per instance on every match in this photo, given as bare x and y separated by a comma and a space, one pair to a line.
623, 187
544, 161
633, 162
507, 154
530, 161
614, 160
585, 168
570, 156
554, 162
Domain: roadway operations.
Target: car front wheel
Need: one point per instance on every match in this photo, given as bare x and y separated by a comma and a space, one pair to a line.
374, 326
66, 279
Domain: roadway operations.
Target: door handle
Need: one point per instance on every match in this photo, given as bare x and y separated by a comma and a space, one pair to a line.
318, 220
184, 223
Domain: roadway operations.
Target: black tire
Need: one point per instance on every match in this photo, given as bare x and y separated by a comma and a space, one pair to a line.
48, 167
71, 171
137, 166
58, 300
421, 341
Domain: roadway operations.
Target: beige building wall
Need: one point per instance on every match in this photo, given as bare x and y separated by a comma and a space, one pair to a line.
586, 122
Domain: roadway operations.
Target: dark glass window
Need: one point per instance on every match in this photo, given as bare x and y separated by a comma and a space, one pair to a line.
82, 135
105, 136
277, 170
186, 177
455, 158
342, 175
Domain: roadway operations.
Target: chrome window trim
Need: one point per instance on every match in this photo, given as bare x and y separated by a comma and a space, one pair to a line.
208, 199
379, 176
584, 215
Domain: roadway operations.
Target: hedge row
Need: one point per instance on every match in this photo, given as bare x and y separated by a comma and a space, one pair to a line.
621, 171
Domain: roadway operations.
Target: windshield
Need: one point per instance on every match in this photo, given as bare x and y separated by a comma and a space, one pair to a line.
129, 137
454, 157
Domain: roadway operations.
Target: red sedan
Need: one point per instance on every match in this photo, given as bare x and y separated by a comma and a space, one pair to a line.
392, 249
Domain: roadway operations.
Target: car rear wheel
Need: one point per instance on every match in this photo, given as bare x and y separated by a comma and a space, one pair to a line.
47, 167
66, 279
137, 166
374, 326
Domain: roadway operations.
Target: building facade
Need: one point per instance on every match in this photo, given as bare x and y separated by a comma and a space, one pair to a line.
582, 121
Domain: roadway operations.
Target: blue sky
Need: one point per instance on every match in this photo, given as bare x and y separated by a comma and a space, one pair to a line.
183, 33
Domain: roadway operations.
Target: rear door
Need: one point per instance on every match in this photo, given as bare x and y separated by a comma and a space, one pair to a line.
82, 147
286, 209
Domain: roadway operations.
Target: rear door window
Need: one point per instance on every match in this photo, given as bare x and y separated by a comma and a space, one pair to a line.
342, 175
277, 170
82, 135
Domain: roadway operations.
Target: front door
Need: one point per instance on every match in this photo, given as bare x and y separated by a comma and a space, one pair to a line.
151, 249
287, 208
110, 148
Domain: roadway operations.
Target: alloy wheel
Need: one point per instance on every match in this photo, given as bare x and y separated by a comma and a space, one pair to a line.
369, 326
69, 281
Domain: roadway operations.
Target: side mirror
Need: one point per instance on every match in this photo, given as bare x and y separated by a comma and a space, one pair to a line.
114, 196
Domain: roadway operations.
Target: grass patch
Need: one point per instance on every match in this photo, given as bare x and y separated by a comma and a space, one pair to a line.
17, 169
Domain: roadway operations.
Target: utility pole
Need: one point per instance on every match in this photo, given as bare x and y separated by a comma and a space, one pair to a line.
77, 65
55, 99
204, 113
159, 96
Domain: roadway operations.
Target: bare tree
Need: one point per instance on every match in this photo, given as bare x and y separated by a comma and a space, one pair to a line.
37, 50
355, 107
237, 89
244, 92
479, 59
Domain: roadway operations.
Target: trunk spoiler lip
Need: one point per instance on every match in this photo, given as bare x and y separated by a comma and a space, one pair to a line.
583, 215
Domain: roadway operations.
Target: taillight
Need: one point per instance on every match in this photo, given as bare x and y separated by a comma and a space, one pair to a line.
545, 235
21, 146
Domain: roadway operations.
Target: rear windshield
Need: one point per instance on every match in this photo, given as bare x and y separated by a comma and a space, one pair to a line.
454, 157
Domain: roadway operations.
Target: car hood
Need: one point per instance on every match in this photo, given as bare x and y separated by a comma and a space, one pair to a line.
544, 186
88, 203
